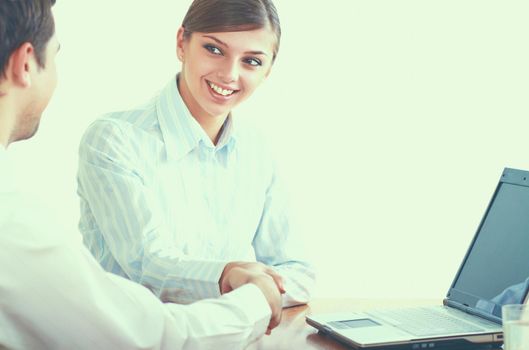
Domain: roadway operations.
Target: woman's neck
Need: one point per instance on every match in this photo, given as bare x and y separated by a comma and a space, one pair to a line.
211, 125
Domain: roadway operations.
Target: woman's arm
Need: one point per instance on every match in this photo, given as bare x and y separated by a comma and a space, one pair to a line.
277, 245
118, 204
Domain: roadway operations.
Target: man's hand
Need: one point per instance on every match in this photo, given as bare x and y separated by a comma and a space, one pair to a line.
236, 276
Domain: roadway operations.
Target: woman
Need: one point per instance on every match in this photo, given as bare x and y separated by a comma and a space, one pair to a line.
176, 193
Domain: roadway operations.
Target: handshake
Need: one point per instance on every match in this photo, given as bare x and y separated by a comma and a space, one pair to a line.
270, 283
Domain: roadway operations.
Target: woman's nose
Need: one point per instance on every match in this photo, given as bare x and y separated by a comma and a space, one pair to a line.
229, 72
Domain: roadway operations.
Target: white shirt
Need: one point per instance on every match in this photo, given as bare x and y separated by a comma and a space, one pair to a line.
164, 206
54, 295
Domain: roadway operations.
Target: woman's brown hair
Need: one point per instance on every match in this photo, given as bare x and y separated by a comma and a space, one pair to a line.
210, 16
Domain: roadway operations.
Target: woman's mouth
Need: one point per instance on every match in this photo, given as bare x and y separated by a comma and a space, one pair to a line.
219, 90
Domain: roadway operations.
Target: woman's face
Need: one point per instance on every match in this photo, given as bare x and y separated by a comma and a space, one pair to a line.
220, 70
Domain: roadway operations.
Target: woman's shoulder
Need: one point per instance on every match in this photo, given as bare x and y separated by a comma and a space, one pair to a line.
140, 117
251, 134
133, 124
255, 142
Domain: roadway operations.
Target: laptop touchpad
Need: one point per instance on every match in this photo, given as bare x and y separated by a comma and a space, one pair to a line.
358, 323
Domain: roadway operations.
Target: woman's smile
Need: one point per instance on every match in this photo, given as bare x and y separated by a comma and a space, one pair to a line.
221, 90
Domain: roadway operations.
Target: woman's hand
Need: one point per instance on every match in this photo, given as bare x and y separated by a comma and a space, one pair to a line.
237, 274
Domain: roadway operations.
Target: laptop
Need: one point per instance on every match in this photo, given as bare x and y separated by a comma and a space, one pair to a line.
494, 272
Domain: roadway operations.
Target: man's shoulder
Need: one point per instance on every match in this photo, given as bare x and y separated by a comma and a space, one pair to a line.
26, 218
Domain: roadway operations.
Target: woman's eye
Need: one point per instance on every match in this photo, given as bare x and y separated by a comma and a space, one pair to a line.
213, 49
253, 62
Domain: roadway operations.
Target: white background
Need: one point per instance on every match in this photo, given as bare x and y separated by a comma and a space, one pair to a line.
392, 119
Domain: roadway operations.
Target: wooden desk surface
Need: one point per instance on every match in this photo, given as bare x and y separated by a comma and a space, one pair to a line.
293, 333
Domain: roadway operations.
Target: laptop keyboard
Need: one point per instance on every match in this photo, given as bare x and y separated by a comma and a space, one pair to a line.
424, 321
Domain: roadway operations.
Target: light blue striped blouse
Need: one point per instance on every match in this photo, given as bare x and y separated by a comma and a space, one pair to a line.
163, 206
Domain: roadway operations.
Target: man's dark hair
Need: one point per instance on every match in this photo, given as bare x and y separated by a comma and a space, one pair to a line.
25, 21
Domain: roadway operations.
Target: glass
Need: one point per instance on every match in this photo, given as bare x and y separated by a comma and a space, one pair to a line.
515, 327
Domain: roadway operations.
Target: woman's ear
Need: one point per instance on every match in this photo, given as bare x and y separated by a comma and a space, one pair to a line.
268, 72
180, 44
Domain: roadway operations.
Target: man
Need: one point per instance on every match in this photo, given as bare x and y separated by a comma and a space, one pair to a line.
53, 294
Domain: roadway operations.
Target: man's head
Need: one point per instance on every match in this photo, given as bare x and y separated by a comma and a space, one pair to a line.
27, 65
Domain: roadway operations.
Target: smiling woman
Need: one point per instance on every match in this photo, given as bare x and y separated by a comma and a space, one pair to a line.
220, 70
178, 195
227, 50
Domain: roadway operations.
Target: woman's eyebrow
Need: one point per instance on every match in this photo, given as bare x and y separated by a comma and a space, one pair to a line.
220, 42
256, 53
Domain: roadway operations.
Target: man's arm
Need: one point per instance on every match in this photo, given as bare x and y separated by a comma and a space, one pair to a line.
62, 299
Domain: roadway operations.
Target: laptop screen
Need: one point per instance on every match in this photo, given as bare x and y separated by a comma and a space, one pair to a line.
496, 268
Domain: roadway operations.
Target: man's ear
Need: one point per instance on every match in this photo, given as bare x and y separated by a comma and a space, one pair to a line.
180, 44
20, 65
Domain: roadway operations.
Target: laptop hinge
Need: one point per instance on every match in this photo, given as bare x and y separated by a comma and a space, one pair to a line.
470, 310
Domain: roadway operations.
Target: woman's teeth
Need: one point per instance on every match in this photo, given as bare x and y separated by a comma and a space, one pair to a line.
220, 90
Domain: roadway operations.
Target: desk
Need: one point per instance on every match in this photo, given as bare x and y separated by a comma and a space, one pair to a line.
293, 333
